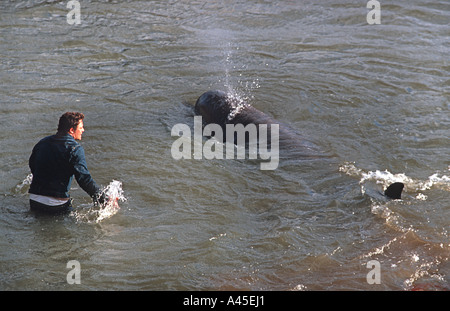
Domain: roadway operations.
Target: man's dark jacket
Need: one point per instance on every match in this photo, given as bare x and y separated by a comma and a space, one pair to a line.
54, 162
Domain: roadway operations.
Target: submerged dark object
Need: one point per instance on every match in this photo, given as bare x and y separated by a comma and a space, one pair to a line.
394, 191
220, 108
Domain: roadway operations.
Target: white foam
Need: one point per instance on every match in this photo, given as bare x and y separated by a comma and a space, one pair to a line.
96, 214
386, 178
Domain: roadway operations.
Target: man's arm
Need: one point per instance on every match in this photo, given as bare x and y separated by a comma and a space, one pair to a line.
82, 175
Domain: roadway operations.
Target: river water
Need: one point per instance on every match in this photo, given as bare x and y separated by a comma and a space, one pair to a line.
375, 97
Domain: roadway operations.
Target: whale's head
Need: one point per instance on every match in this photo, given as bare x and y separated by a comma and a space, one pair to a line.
214, 107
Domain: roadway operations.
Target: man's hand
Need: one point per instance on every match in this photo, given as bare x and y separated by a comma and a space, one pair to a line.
100, 198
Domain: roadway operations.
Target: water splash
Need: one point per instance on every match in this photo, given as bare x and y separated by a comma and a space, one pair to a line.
239, 92
386, 178
23, 187
96, 214
114, 193
392, 218
237, 104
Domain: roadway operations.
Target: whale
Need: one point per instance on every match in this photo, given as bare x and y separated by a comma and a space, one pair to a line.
218, 107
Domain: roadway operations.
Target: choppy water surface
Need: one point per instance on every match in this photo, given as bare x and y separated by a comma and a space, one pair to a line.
376, 97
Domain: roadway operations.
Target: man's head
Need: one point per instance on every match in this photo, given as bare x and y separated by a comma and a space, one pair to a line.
71, 123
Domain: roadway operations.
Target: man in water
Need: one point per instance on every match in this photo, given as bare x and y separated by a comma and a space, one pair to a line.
54, 162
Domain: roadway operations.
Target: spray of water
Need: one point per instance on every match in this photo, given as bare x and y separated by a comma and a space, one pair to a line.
114, 193
239, 92
23, 187
230, 55
96, 214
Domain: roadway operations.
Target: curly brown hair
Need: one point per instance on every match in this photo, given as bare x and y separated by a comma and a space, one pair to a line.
69, 120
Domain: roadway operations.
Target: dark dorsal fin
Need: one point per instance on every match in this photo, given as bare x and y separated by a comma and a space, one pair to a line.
394, 191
